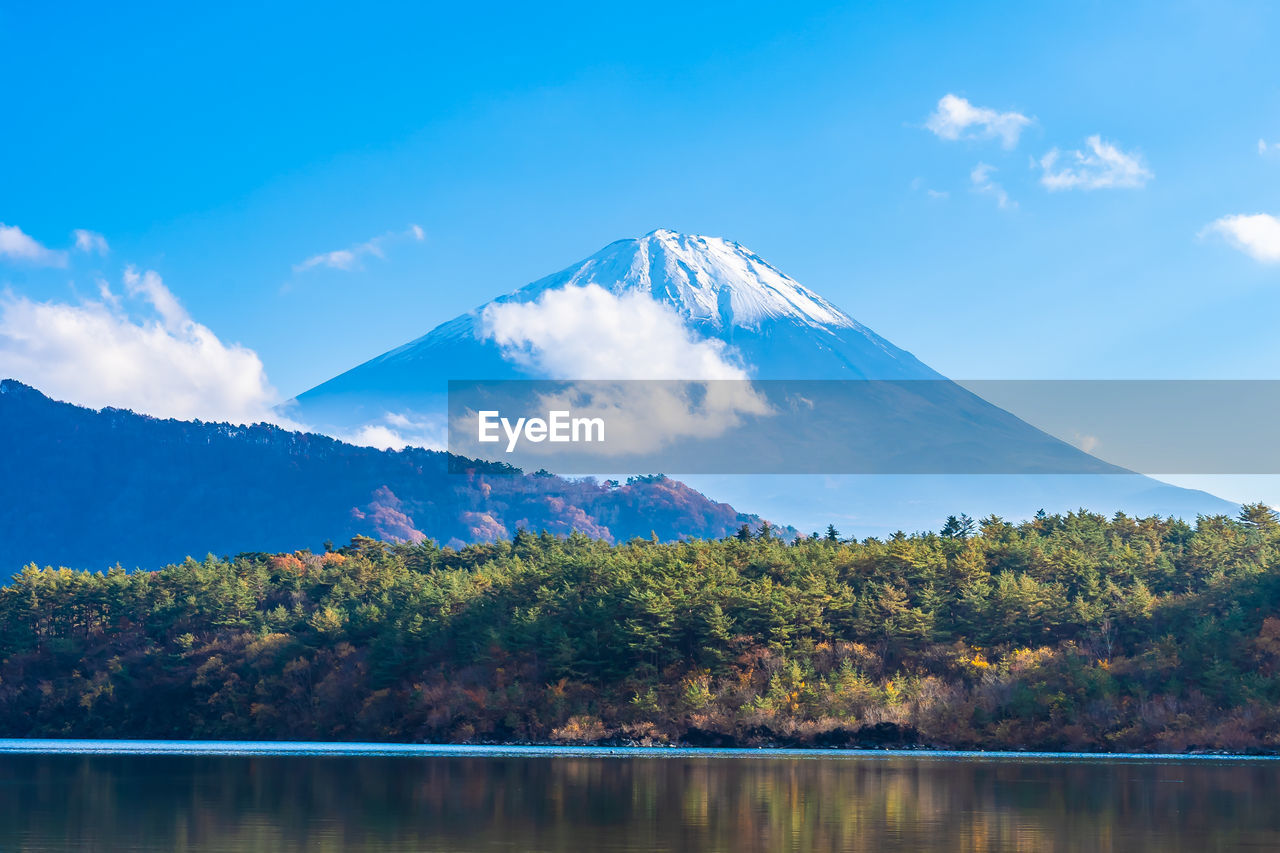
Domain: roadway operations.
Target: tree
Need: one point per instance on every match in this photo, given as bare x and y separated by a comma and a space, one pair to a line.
1120, 633
1259, 516
958, 528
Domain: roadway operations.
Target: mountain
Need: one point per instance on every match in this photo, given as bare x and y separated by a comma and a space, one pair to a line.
85, 488
777, 327
773, 328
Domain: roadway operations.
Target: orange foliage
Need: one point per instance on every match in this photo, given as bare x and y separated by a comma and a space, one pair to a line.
288, 563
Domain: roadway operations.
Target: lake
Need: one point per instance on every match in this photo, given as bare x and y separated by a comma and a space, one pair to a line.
133, 796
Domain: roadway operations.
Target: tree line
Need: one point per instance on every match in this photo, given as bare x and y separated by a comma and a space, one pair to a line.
1071, 631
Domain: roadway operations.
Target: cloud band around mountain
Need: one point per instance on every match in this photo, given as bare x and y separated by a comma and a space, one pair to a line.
590, 333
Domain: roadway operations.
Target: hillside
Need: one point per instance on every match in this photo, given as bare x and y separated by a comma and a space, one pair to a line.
89, 488
1067, 632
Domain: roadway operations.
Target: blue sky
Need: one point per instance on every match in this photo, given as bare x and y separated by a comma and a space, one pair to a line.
221, 148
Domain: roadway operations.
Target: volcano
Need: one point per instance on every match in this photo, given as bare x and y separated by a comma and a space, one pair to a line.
737, 314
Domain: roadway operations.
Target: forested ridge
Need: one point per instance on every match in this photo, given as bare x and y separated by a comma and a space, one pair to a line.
87, 488
1063, 632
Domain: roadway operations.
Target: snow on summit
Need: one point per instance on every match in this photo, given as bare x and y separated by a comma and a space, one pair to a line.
709, 280
775, 326
665, 305
680, 306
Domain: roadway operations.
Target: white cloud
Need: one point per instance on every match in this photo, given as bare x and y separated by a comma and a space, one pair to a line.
1086, 442
956, 118
1102, 166
349, 258
1265, 147
152, 291
1257, 235
16, 244
154, 359
918, 185
980, 177
108, 296
91, 242
378, 436
589, 333
339, 259
396, 431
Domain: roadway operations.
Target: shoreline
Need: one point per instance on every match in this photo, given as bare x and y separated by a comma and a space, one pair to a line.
87, 746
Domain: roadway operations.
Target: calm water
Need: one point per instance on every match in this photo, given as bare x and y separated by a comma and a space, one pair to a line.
203, 797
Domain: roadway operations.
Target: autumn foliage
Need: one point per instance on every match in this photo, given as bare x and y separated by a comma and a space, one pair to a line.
1064, 632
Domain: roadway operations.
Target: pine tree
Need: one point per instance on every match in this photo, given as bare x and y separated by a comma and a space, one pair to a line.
958, 528
1259, 516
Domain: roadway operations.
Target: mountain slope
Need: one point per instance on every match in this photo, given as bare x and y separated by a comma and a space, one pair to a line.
775, 328
86, 488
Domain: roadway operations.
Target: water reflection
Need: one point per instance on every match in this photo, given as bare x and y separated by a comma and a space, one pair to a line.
689, 802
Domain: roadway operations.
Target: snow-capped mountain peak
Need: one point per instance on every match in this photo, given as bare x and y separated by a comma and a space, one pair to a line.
770, 325
714, 283
666, 303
